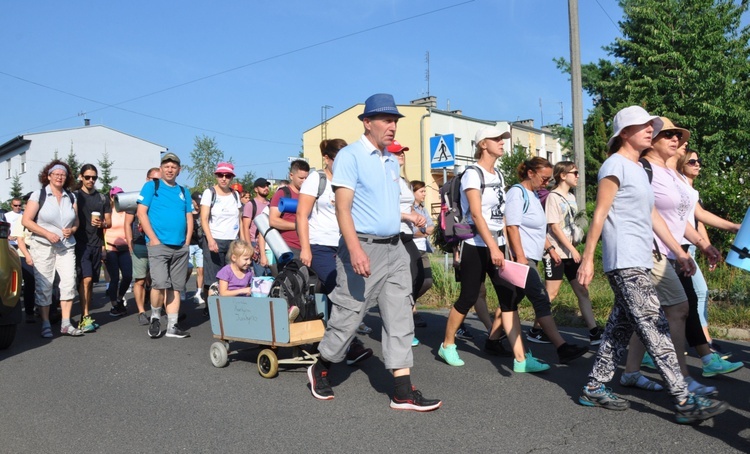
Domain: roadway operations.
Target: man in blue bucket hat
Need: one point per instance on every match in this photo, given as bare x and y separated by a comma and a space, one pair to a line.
372, 265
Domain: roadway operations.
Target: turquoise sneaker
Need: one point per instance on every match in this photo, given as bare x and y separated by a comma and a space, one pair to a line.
529, 365
450, 355
87, 324
648, 361
414, 342
719, 366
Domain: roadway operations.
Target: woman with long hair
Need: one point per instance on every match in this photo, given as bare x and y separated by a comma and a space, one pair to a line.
626, 220
52, 223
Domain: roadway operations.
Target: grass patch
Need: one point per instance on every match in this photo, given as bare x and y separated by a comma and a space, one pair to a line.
728, 307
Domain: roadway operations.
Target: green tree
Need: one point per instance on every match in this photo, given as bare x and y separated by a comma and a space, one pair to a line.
72, 161
105, 173
510, 162
247, 181
16, 187
205, 155
689, 62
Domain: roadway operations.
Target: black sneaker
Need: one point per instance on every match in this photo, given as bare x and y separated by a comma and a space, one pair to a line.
118, 310
181, 316
537, 336
464, 333
415, 401
154, 329
317, 374
603, 397
595, 336
568, 352
419, 321
176, 331
495, 347
357, 352
698, 408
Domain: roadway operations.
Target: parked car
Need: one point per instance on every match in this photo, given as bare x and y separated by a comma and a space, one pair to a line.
10, 289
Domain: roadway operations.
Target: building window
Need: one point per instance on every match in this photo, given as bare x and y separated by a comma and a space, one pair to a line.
549, 156
7, 169
23, 162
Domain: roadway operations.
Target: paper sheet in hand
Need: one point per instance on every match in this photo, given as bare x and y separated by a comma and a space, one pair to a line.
514, 273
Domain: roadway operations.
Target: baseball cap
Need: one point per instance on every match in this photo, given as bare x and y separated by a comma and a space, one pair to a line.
170, 157
115, 190
488, 132
261, 182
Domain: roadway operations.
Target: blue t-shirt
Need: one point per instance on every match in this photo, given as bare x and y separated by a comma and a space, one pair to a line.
166, 211
374, 177
627, 238
233, 282
532, 225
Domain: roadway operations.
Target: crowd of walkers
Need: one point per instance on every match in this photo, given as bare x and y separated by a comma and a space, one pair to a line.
361, 226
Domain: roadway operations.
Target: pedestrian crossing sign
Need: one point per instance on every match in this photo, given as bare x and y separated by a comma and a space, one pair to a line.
442, 151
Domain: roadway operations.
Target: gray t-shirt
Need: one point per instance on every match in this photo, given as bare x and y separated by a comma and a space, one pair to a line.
532, 224
627, 236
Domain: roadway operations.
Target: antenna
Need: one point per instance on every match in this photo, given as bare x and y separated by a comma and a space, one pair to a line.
324, 121
541, 110
427, 72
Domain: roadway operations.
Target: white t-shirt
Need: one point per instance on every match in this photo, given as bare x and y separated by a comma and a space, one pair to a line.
532, 225
493, 201
225, 215
406, 202
324, 228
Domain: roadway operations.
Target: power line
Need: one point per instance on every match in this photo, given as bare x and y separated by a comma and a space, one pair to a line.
608, 17
256, 62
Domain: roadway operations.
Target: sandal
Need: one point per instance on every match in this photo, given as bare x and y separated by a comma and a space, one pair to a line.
70, 330
637, 380
47, 332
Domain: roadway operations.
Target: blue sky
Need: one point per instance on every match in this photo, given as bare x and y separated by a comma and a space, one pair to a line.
254, 74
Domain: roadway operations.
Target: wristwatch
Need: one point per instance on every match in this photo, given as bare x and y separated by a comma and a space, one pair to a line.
423, 230
546, 251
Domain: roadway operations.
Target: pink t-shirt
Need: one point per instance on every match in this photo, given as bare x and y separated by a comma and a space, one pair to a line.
247, 212
673, 201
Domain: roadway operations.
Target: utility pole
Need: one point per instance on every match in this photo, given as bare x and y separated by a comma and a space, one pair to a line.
324, 122
577, 96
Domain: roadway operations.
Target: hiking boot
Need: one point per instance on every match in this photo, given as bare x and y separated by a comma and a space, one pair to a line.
595, 336
568, 352
495, 347
154, 329
419, 321
719, 366
537, 336
529, 365
415, 401
317, 374
450, 355
463, 333
176, 331
697, 408
602, 397
357, 352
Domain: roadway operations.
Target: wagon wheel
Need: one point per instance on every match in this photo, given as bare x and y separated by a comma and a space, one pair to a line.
268, 363
219, 354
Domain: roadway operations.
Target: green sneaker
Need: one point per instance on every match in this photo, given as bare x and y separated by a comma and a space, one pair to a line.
648, 361
719, 366
87, 325
529, 365
450, 355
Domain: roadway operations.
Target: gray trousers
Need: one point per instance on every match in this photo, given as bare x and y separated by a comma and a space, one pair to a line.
389, 286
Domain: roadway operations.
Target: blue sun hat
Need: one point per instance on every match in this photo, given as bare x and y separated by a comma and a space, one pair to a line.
380, 104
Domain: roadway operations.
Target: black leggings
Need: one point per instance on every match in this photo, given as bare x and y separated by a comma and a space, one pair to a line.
693, 328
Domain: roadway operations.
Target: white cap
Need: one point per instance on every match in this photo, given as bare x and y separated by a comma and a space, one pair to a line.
631, 116
488, 132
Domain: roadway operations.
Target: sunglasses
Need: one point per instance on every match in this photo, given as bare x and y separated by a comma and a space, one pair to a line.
225, 175
16, 206
90, 177
692, 162
575, 172
670, 134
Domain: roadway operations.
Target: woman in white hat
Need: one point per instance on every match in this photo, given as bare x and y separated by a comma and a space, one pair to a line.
625, 218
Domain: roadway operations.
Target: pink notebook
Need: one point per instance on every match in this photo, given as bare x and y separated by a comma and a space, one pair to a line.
514, 273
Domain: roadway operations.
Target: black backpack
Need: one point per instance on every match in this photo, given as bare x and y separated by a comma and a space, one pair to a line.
296, 284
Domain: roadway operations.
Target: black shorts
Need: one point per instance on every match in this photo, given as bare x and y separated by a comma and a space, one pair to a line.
88, 262
567, 268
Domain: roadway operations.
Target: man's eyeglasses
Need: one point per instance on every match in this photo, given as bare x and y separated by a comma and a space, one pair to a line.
692, 162
90, 177
670, 134
16, 206
224, 175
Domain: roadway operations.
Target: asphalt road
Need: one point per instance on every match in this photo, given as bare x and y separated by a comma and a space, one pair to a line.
118, 391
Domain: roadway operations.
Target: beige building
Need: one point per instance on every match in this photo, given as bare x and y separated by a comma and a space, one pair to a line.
423, 120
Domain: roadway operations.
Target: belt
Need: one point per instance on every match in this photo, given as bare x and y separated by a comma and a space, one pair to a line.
392, 240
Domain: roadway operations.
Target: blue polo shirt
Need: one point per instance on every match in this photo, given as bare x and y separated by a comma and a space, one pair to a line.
166, 211
373, 175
